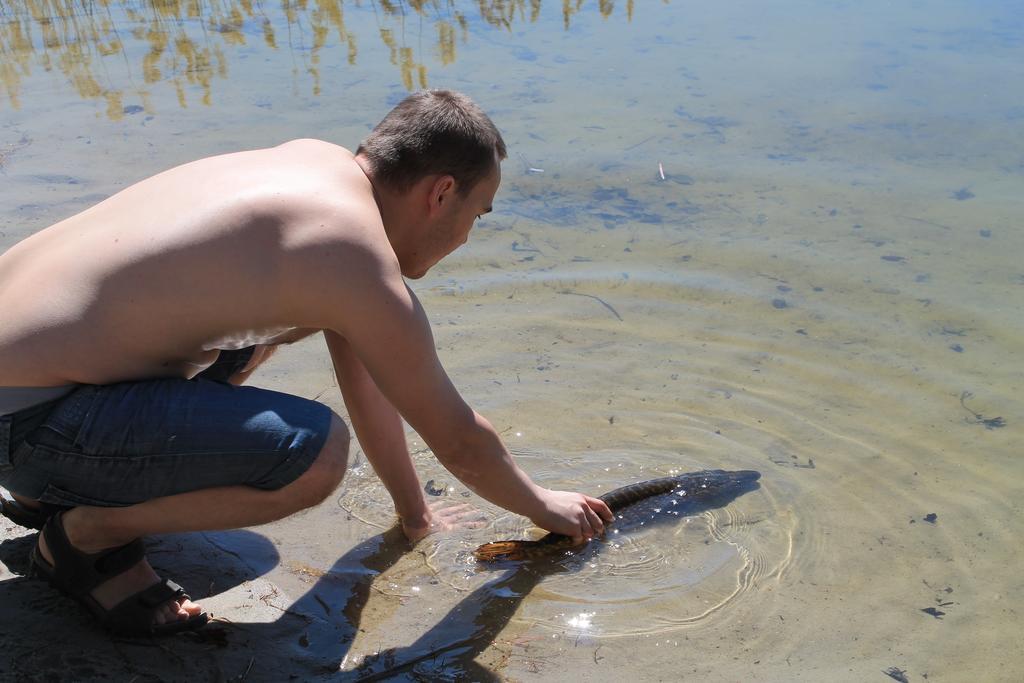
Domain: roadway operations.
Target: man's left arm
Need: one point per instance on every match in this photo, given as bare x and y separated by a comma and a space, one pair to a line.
261, 353
379, 429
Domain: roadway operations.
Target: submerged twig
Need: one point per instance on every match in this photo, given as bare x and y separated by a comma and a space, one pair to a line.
925, 221
530, 168
247, 669
396, 668
595, 298
322, 603
642, 142
324, 391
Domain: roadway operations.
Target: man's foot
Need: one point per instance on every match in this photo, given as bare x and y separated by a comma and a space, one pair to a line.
132, 581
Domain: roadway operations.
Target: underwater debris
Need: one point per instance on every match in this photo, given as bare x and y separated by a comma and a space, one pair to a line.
978, 418
896, 674
435, 488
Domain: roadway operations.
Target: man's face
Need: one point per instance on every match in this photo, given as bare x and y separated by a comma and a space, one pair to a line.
451, 230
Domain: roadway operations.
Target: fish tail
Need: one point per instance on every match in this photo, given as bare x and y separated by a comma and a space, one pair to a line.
506, 550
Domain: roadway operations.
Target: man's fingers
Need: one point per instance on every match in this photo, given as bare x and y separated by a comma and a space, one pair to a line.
451, 512
595, 522
468, 512
464, 516
444, 506
455, 513
448, 517
601, 508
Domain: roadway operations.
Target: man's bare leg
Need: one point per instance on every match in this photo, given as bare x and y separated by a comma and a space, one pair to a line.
92, 529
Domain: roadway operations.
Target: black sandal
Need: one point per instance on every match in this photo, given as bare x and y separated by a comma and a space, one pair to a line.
30, 518
76, 574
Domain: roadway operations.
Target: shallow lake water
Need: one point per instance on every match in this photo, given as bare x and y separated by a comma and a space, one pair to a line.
784, 238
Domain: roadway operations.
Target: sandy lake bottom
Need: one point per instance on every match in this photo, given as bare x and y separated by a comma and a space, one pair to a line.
783, 240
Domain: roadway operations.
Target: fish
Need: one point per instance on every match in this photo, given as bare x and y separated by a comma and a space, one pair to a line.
679, 495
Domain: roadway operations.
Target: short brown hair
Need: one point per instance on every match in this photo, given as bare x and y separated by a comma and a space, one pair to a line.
433, 132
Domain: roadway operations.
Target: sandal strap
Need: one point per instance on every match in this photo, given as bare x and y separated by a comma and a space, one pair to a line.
118, 560
79, 573
23, 516
162, 592
20, 515
135, 613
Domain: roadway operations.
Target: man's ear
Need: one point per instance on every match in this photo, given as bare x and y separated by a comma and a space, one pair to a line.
442, 191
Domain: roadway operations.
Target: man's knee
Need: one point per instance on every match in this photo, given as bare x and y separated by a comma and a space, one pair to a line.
327, 471
335, 450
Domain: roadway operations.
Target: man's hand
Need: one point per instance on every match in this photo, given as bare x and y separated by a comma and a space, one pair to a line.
260, 354
443, 518
573, 514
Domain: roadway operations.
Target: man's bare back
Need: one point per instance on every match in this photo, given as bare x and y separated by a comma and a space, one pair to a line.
150, 282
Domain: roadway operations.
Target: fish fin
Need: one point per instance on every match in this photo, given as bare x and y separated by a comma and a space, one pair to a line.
504, 550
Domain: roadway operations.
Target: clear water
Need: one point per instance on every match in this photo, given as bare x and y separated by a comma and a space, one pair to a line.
776, 237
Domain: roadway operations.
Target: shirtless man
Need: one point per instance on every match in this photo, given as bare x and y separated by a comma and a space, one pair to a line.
126, 330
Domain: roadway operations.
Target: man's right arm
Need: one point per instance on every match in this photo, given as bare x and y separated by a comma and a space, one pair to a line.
389, 332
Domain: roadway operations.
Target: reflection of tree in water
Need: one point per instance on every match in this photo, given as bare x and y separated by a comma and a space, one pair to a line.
187, 39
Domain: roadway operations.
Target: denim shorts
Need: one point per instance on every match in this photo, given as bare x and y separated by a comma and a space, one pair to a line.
121, 444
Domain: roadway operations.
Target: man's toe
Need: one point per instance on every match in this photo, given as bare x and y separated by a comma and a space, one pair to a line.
160, 615
190, 609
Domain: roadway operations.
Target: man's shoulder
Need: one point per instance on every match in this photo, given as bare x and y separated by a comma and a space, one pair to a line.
340, 234
313, 180
333, 268
314, 145
332, 227
308, 165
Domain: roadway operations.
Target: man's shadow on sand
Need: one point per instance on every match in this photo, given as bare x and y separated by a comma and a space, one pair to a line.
309, 637
313, 635
448, 650
46, 636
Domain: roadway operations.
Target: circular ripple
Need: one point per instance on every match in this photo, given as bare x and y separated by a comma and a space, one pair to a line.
646, 578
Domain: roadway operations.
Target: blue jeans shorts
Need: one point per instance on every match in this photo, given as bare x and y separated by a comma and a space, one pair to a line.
121, 444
